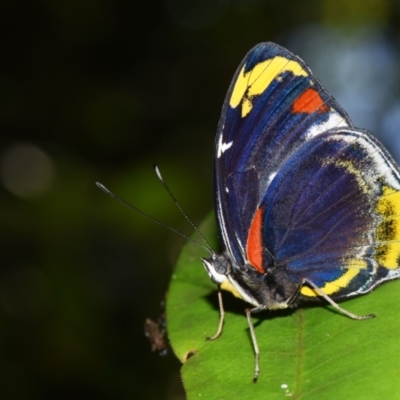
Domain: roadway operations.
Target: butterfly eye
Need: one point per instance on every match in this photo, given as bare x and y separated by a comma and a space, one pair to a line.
222, 265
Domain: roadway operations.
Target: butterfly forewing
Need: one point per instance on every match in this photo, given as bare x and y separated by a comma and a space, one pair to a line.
273, 106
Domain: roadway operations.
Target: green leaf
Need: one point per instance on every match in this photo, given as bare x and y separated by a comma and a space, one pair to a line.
308, 353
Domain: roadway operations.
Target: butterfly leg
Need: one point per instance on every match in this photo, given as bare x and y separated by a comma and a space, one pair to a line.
330, 301
248, 312
221, 316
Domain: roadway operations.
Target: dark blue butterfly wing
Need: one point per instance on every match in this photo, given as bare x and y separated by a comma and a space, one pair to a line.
297, 187
332, 214
274, 105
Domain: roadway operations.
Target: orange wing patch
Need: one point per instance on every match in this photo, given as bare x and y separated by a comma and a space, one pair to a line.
254, 242
309, 102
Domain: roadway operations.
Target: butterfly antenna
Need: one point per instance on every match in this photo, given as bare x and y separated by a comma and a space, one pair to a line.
180, 208
110, 193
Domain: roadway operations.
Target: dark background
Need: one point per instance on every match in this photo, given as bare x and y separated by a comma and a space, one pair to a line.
100, 90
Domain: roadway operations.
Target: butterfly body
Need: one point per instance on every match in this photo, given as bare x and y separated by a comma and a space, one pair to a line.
307, 205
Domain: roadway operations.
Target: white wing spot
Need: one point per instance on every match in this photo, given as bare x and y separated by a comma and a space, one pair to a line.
222, 147
271, 176
334, 121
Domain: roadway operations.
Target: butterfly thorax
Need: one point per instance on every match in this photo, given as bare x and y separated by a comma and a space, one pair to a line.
271, 289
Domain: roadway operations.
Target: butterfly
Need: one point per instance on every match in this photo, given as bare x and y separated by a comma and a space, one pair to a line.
307, 205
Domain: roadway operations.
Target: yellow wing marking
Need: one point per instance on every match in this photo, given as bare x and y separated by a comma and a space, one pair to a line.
256, 81
353, 268
388, 206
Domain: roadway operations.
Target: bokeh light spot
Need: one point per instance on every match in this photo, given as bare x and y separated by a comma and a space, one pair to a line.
26, 171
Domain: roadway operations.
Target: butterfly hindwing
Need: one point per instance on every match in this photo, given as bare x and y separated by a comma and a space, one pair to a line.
323, 218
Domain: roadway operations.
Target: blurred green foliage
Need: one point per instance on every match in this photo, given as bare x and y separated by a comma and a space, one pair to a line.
99, 91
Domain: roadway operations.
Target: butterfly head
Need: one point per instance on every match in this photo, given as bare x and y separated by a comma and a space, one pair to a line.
218, 267
221, 271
